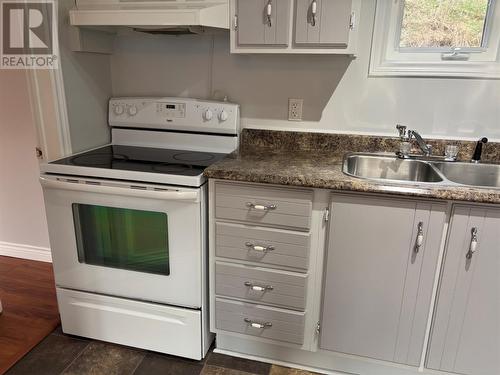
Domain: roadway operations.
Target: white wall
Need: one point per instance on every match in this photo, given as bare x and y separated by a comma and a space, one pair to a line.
338, 94
87, 84
23, 227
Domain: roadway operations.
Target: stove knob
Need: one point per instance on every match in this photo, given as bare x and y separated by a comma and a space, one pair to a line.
132, 110
118, 109
208, 115
223, 116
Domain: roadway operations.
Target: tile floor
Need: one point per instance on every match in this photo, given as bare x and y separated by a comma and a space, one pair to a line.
62, 354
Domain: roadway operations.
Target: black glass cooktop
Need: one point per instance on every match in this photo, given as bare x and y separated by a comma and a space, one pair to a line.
144, 159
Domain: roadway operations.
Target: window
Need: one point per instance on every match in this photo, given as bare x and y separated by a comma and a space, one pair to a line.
443, 25
436, 38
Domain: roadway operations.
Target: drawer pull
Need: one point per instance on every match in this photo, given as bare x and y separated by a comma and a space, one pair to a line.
262, 249
473, 244
261, 207
259, 325
258, 288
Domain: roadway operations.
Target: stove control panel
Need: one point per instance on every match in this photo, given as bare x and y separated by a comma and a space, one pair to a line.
175, 114
171, 110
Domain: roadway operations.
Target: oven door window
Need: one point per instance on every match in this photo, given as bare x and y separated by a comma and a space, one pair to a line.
122, 238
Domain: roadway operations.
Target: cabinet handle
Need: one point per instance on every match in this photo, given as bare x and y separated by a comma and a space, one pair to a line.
352, 21
262, 249
258, 288
255, 324
235, 22
261, 207
314, 11
420, 237
473, 244
269, 12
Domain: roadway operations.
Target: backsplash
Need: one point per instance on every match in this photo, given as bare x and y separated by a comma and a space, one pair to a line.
342, 143
339, 95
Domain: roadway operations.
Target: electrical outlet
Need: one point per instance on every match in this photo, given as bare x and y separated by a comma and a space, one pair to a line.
295, 109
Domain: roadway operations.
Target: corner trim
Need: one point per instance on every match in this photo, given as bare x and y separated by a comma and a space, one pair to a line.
16, 250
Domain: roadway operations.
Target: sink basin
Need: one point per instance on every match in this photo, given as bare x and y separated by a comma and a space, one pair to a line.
388, 167
484, 175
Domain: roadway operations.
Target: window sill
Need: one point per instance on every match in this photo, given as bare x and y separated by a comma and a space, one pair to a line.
457, 69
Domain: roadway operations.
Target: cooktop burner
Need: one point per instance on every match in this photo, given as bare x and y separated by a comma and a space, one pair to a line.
171, 168
194, 156
97, 159
144, 159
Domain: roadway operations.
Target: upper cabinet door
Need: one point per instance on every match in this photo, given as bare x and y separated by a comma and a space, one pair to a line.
380, 269
263, 22
466, 329
323, 22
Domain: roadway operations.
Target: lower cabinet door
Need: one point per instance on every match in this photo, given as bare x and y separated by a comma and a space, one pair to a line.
466, 330
380, 269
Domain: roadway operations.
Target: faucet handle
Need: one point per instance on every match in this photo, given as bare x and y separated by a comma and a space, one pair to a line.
429, 149
476, 158
483, 140
402, 131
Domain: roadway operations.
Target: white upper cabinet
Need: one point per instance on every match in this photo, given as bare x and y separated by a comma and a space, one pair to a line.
263, 22
294, 26
323, 22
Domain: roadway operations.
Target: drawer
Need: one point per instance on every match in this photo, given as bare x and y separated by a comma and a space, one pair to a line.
261, 285
262, 321
264, 205
266, 246
134, 323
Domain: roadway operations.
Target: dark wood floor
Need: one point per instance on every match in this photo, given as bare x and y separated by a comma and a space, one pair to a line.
30, 313
29, 307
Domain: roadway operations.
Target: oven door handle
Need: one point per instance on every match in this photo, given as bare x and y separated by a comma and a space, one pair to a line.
171, 195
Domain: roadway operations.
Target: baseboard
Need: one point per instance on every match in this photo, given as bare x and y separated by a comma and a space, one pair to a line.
320, 361
17, 250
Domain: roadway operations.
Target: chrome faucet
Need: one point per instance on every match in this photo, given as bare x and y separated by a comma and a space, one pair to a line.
406, 136
426, 149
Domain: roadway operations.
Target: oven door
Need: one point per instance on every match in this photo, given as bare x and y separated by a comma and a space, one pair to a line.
134, 241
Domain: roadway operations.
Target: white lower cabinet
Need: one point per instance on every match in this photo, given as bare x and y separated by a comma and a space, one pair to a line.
466, 330
381, 262
367, 287
260, 242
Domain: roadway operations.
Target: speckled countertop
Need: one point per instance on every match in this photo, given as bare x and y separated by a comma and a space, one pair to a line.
296, 159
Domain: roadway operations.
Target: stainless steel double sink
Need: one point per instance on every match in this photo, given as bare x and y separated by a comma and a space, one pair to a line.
388, 167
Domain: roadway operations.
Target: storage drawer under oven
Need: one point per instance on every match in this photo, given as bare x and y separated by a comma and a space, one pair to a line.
143, 325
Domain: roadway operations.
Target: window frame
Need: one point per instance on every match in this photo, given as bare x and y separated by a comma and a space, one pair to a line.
387, 58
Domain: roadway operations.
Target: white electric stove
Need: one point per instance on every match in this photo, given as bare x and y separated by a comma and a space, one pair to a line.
161, 140
127, 225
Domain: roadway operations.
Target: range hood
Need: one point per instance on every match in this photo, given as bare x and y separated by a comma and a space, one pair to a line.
152, 16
